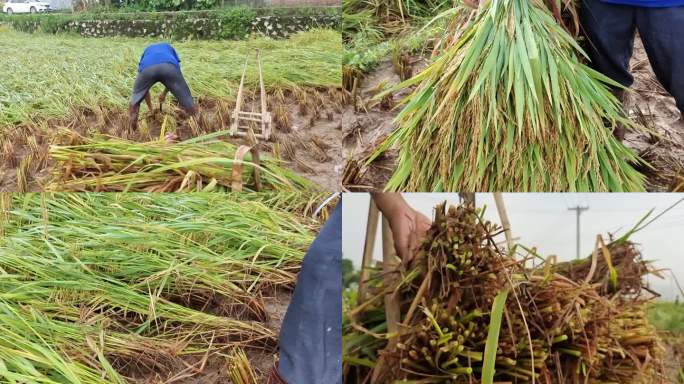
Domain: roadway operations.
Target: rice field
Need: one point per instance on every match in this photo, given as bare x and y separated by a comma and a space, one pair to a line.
51, 75
65, 91
667, 316
131, 288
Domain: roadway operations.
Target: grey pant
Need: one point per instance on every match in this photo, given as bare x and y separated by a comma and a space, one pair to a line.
311, 335
167, 74
611, 28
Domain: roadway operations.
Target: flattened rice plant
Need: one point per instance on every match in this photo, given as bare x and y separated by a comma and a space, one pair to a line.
92, 282
54, 74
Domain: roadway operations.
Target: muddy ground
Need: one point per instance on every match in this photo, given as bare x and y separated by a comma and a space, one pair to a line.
306, 135
366, 127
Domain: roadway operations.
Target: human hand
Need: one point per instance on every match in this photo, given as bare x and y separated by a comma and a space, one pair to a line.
408, 225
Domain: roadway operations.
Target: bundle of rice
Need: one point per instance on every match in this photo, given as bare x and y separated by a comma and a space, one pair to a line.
472, 314
200, 164
508, 105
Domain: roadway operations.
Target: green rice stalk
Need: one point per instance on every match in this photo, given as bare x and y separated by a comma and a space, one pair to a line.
492, 344
88, 281
240, 369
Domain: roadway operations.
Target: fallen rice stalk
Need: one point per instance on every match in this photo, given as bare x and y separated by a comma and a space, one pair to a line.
56, 74
92, 282
196, 165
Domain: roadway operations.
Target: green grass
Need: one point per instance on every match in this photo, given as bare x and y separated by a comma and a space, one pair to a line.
667, 317
364, 53
52, 74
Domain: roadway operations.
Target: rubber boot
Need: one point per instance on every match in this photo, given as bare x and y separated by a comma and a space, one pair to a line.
274, 377
620, 130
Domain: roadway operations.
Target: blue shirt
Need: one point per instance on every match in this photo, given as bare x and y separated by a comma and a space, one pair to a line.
648, 3
157, 54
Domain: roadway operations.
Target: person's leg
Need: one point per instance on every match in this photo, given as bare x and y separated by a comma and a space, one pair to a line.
174, 81
661, 30
311, 334
133, 114
610, 31
141, 87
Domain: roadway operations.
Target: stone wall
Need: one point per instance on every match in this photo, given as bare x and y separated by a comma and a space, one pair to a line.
272, 26
190, 26
283, 26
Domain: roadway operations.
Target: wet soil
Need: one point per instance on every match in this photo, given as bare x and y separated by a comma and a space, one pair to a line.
367, 123
306, 135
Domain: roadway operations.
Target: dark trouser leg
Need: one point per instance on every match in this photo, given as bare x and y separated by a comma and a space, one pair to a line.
143, 82
311, 335
173, 80
661, 30
610, 31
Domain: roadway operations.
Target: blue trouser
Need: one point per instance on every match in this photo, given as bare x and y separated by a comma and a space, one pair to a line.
311, 335
610, 29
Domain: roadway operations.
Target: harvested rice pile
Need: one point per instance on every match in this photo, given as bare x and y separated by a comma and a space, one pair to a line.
508, 105
96, 286
472, 314
200, 164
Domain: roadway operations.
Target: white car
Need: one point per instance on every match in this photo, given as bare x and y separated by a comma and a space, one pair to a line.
25, 6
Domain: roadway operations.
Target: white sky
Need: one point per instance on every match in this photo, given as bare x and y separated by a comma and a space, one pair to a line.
544, 221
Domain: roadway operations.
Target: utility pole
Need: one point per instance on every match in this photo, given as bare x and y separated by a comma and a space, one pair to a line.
578, 210
467, 198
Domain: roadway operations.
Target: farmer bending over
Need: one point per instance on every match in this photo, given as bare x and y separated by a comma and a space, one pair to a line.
159, 63
311, 334
610, 27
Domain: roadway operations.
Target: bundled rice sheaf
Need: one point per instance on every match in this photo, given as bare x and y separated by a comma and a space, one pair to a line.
470, 313
94, 284
199, 164
508, 105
